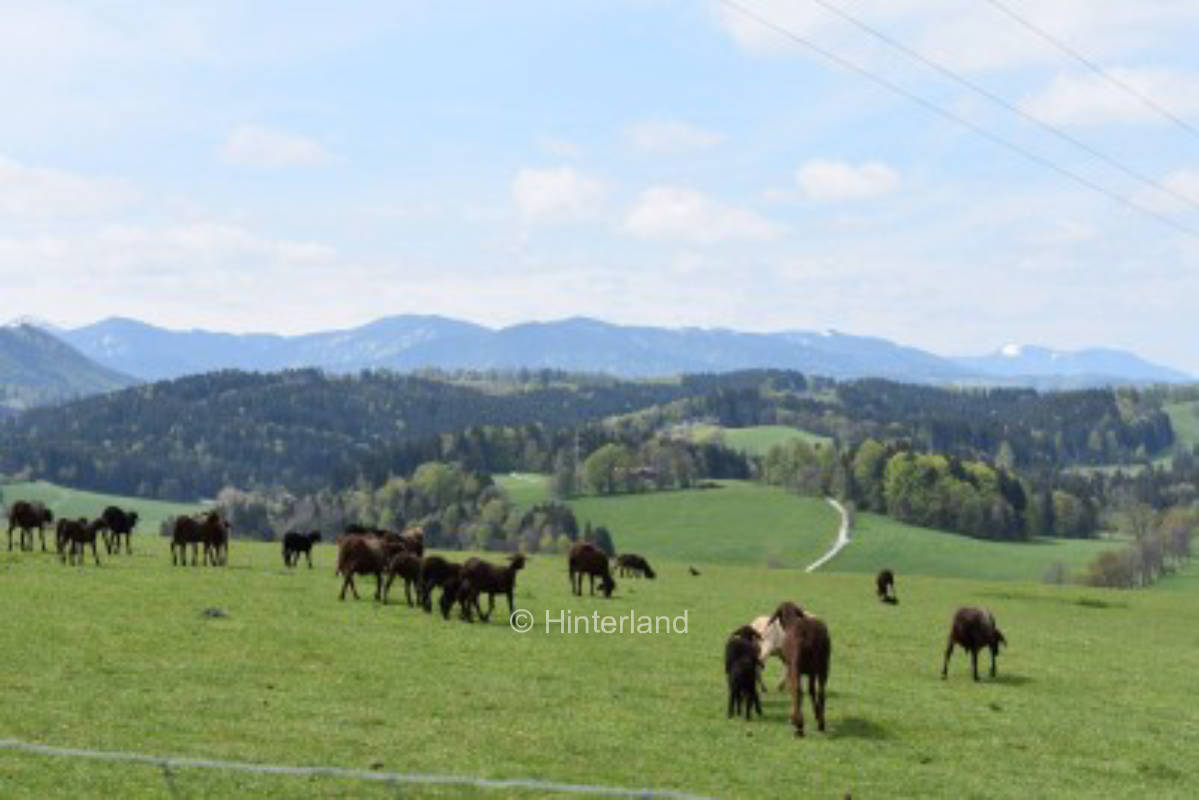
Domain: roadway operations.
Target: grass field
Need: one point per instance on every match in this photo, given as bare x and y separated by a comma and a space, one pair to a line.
756, 440
695, 525
738, 523
121, 658
879, 541
66, 502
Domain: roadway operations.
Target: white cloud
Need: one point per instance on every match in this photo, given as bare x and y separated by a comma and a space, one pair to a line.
670, 137
258, 146
1181, 183
828, 181
558, 194
1088, 99
28, 192
686, 215
964, 34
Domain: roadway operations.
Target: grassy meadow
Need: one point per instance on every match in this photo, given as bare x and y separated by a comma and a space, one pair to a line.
121, 658
750, 524
756, 440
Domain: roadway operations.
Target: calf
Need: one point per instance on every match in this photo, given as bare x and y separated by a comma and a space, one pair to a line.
884, 584
491, 580
587, 559
296, 543
741, 668
407, 566
633, 564
973, 629
118, 523
77, 533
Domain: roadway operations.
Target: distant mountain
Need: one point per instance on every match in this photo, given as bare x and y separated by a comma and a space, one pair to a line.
578, 344
36, 368
1086, 367
409, 342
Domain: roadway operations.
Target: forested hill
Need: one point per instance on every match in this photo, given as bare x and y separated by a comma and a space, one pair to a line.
189, 437
306, 430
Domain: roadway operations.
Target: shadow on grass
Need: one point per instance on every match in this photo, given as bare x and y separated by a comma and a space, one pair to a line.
1085, 602
1010, 679
857, 728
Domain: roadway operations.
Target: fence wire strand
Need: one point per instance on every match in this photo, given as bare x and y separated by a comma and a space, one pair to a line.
170, 764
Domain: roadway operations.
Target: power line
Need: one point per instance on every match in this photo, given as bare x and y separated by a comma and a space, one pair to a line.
1090, 64
998, 100
932, 107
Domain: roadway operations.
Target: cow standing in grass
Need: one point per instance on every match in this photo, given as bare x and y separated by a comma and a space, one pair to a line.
28, 516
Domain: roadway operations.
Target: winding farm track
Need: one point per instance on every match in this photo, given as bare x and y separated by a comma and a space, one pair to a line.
842, 537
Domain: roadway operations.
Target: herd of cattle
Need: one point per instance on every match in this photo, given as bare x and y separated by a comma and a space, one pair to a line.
798, 638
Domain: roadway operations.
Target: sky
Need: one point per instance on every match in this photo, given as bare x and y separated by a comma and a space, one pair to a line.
300, 166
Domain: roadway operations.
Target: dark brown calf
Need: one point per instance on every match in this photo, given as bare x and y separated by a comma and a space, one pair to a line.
973, 629
75, 534
491, 579
884, 584
405, 565
587, 559
633, 564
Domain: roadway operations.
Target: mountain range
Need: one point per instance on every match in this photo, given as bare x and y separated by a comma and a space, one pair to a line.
122, 349
37, 368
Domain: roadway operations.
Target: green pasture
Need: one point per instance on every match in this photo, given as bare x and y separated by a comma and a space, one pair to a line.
756, 440
1092, 698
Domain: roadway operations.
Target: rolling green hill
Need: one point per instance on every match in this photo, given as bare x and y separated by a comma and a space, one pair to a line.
746, 523
122, 658
879, 541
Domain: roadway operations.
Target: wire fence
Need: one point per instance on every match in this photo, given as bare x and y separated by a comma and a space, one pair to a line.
171, 764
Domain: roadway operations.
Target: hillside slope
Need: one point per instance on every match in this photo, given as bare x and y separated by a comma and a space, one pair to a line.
36, 368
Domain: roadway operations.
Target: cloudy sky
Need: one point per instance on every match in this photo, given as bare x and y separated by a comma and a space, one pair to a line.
262, 166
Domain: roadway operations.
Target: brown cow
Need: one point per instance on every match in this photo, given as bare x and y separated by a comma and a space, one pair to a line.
587, 559
27, 516
364, 554
974, 629
807, 649
212, 531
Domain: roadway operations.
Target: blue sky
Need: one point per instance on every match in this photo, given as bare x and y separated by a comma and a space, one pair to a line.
302, 166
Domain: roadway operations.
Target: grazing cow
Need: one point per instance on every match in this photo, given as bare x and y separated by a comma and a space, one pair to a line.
77, 533
118, 523
633, 564
490, 579
884, 584
364, 554
973, 629
434, 571
807, 650
211, 530
694, 572
741, 669
587, 559
406, 565
296, 543
27, 516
